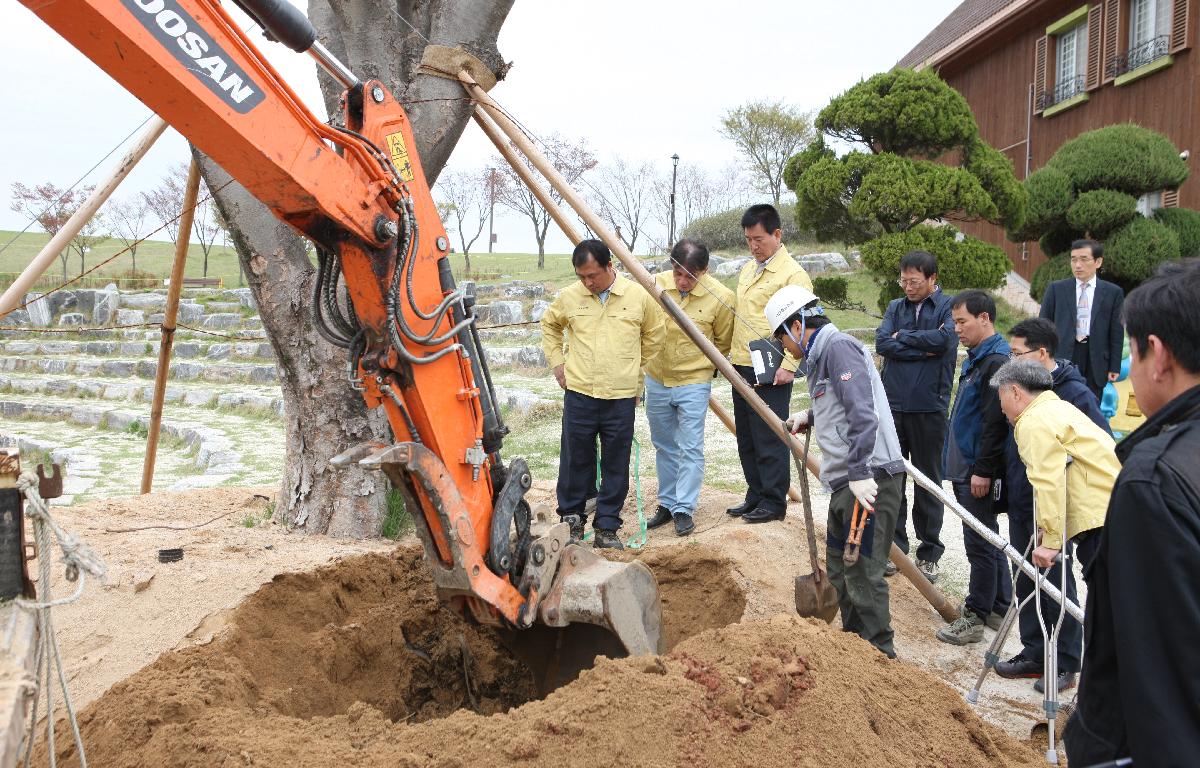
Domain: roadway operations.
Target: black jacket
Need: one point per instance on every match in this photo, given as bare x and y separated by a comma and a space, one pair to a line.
918, 365
1106, 334
1070, 386
1139, 694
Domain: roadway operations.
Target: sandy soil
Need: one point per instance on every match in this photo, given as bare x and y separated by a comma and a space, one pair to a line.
189, 607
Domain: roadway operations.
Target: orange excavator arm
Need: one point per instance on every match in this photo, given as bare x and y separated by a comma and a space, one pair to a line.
384, 289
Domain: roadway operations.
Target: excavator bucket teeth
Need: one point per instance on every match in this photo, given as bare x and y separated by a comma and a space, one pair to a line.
595, 607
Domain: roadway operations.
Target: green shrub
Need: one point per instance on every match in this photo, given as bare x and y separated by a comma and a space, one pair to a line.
1127, 158
1056, 268
1134, 252
832, 289
1186, 224
1057, 242
1050, 195
1099, 211
969, 263
398, 521
995, 173
723, 231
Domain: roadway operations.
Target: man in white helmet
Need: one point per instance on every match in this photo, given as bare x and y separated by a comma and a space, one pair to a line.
860, 454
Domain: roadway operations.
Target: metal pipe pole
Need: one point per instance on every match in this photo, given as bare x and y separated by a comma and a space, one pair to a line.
491, 208
674, 174
16, 292
191, 192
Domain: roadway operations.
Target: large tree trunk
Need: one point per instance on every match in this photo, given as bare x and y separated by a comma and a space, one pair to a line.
324, 416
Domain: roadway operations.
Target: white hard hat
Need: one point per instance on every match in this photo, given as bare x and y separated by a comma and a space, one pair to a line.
786, 302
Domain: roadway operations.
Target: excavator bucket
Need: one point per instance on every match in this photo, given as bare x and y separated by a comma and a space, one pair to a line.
594, 607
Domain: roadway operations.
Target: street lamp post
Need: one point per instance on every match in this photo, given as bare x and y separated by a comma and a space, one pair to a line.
491, 208
674, 174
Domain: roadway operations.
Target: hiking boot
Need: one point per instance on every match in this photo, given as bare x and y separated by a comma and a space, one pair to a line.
994, 620
1065, 680
890, 569
1018, 667
606, 540
661, 517
683, 524
576, 523
929, 570
964, 630
761, 515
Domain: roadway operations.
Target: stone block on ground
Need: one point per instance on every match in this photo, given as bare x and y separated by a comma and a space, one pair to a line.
130, 317
85, 301
56, 348
253, 323
157, 318
38, 309
117, 368
61, 301
222, 320
17, 317
146, 368
219, 351
132, 348
72, 318
223, 306
104, 310
21, 347
100, 347
538, 309
731, 267
499, 313
186, 349
816, 263
144, 301
189, 313
243, 296
199, 397
531, 357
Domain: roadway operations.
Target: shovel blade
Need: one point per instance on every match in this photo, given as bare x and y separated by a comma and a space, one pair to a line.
816, 597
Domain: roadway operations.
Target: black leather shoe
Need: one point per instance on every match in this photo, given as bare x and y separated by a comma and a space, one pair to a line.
761, 515
606, 540
661, 517
684, 524
740, 509
1019, 666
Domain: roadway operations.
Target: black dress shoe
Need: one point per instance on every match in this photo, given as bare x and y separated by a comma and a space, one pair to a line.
761, 515
741, 509
1019, 666
684, 524
606, 540
661, 517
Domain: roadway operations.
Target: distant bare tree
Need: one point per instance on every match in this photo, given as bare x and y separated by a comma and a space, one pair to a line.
624, 197
469, 196
206, 224
128, 220
697, 194
166, 200
90, 235
571, 159
50, 207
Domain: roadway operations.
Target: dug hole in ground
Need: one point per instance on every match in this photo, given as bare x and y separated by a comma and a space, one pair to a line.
269, 648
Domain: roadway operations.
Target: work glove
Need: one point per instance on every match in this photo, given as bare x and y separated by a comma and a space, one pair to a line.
797, 422
865, 491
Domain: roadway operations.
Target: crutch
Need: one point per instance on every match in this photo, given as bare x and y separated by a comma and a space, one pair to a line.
1050, 642
992, 656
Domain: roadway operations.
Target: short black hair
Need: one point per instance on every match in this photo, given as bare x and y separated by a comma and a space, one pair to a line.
976, 302
1039, 333
690, 254
763, 214
924, 261
1096, 248
591, 249
1166, 306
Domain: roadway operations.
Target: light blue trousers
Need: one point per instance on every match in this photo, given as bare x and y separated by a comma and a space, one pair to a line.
676, 416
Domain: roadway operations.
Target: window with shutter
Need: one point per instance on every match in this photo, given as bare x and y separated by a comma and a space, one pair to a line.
1039, 69
1180, 33
1094, 44
1170, 198
1112, 39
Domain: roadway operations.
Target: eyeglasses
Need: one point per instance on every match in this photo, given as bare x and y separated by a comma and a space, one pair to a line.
912, 282
1014, 354
1082, 259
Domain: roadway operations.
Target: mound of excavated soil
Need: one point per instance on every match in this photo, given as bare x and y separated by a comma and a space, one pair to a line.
357, 663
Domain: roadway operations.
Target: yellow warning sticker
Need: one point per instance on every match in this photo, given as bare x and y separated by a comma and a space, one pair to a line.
399, 153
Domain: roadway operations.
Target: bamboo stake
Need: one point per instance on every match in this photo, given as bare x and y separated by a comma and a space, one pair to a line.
13, 296
191, 192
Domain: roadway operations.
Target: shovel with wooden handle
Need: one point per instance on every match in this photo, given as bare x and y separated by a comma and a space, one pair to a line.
815, 595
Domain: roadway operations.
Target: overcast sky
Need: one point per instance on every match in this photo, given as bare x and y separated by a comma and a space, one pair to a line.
634, 78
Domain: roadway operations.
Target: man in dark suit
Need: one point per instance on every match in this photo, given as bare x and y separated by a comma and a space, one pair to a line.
1087, 313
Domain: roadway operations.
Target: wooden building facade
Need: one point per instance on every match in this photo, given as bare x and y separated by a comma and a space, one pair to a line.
1039, 72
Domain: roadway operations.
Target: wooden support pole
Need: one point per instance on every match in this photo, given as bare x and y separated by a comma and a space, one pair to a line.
168, 324
639, 273
15, 294
522, 170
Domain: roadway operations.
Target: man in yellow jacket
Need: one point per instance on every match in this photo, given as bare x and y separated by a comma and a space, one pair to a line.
614, 328
1054, 437
766, 461
678, 383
